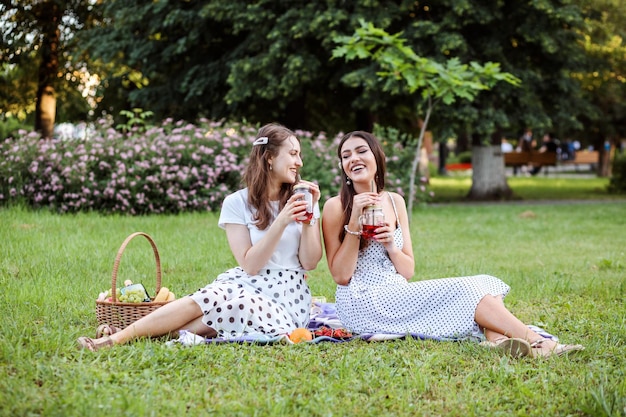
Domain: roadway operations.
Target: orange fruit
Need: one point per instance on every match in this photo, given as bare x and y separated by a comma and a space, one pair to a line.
300, 335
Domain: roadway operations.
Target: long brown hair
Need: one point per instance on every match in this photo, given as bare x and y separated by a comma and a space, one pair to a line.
347, 192
257, 173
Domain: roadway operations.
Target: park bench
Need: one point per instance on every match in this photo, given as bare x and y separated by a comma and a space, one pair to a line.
518, 159
591, 158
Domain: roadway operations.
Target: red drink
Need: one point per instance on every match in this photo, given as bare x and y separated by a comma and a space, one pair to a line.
307, 217
308, 197
368, 231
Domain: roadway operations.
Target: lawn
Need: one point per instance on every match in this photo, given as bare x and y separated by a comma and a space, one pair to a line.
566, 264
576, 186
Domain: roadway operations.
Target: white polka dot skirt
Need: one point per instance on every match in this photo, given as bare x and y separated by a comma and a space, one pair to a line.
379, 300
273, 302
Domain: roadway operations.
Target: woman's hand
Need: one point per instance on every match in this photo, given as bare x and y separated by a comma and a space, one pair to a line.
314, 189
294, 209
384, 235
362, 200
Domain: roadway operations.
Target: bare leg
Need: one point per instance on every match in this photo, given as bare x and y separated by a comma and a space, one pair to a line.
171, 317
498, 321
198, 327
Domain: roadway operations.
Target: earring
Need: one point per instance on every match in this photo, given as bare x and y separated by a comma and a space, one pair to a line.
348, 180
270, 167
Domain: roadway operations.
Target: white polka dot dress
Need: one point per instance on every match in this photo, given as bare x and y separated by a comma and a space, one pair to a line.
379, 300
273, 302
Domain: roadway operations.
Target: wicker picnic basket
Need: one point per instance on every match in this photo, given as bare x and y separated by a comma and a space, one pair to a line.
119, 314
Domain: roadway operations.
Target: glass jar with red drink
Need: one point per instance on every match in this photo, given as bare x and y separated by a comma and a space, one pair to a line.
371, 219
303, 189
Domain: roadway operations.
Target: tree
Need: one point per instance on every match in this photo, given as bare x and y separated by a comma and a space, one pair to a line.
538, 42
39, 34
605, 84
403, 71
260, 61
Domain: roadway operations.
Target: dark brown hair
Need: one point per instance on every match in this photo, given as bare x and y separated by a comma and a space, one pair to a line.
257, 173
347, 192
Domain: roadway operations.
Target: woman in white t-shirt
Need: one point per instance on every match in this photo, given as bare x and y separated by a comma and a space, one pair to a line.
267, 293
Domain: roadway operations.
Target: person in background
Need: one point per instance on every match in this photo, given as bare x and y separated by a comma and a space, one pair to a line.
267, 293
373, 295
506, 146
548, 144
525, 144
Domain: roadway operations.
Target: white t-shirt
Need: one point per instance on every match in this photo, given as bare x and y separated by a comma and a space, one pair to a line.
235, 210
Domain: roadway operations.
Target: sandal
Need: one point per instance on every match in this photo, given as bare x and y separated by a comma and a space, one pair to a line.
106, 330
94, 344
538, 351
511, 346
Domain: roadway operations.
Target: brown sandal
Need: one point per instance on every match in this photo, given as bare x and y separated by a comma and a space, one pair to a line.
94, 344
106, 330
538, 351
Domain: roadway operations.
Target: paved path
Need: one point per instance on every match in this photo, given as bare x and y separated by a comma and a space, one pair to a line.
561, 171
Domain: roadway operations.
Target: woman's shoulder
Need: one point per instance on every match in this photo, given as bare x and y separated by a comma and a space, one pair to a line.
333, 203
397, 198
238, 195
237, 199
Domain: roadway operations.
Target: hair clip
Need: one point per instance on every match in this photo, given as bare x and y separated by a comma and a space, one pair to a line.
260, 141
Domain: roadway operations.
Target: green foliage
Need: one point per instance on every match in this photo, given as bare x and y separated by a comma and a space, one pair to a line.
266, 62
465, 157
10, 126
24, 54
404, 72
538, 42
604, 44
137, 119
617, 183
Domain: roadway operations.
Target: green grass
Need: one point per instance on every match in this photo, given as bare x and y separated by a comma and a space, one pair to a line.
456, 187
566, 264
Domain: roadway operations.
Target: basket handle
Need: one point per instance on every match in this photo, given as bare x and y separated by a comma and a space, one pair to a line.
118, 258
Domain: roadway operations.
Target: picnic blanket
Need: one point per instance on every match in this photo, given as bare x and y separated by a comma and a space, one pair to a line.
325, 314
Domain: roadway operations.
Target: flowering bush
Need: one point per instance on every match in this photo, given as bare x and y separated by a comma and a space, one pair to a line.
170, 168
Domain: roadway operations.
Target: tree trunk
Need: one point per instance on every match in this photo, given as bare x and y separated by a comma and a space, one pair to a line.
48, 16
488, 174
443, 156
416, 158
462, 143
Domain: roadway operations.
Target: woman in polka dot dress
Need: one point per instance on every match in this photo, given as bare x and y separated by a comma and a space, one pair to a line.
267, 293
373, 295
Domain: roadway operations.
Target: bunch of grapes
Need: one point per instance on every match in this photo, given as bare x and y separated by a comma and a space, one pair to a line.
118, 293
134, 294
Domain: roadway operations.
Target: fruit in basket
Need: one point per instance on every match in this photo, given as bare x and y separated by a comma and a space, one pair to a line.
162, 295
106, 295
300, 335
135, 293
